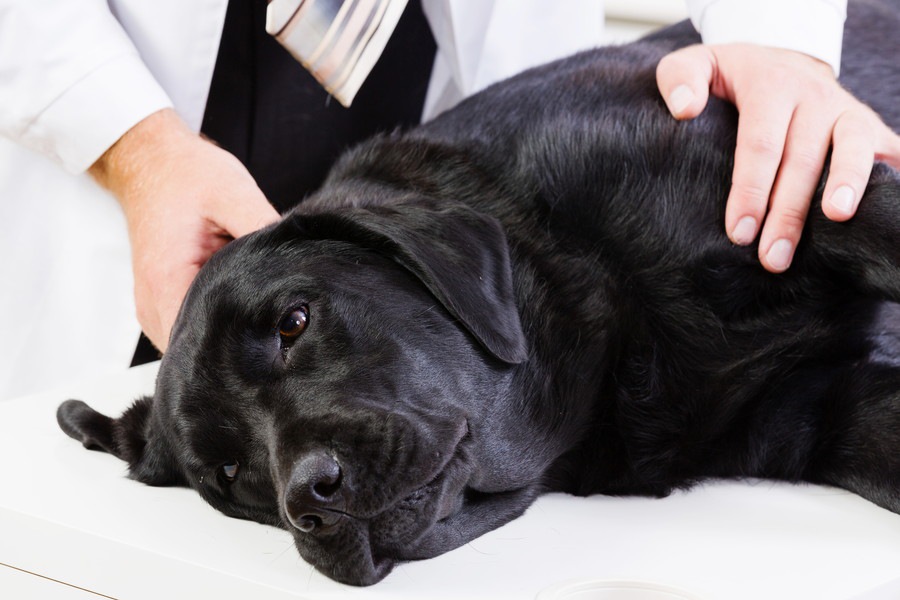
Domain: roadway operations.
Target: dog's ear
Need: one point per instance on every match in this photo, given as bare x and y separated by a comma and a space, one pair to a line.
460, 255
129, 437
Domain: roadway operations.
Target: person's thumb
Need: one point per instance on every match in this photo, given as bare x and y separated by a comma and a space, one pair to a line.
252, 213
244, 208
684, 78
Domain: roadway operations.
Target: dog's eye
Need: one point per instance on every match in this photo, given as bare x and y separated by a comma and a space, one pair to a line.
229, 471
294, 323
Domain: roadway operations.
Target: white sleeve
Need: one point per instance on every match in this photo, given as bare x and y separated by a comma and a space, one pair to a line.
814, 27
71, 80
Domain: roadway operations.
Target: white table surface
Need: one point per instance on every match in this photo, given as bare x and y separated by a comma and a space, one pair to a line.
72, 526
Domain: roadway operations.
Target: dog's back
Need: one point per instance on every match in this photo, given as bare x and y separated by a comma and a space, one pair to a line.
556, 137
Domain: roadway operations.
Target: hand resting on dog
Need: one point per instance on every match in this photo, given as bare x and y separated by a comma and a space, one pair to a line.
792, 111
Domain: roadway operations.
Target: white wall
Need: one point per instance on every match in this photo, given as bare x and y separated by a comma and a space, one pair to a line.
630, 19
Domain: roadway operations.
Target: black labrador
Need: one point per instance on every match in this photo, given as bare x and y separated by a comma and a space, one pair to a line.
533, 292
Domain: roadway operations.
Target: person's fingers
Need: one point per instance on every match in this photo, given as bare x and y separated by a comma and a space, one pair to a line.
164, 268
791, 109
684, 78
762, 130
805, 150
852, 157
168, 304
248, 214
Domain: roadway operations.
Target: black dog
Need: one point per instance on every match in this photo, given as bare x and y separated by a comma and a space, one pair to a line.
533, 292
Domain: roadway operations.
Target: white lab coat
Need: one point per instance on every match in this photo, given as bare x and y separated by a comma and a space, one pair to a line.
76, 74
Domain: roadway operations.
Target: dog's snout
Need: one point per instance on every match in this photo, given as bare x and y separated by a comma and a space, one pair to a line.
315, 499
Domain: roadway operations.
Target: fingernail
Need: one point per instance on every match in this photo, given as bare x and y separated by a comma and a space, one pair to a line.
680, 98
843, 200
744, 232
780, 254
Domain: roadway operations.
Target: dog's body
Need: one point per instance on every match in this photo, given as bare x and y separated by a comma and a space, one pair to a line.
533, 292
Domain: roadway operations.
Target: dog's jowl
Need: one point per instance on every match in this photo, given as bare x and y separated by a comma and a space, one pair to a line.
532, 293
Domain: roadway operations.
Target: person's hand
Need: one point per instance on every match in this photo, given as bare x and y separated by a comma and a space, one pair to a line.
791, 110
184, 198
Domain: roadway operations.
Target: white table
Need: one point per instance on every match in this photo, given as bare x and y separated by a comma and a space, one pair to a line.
72, 526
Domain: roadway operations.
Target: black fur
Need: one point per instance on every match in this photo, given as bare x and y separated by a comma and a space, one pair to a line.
533, 292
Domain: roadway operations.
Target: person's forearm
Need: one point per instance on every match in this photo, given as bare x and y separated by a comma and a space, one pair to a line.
130, 161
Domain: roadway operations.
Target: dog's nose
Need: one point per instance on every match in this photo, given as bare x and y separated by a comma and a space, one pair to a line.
314, 499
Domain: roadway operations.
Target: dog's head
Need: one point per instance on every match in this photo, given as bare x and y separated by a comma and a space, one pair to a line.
346, 376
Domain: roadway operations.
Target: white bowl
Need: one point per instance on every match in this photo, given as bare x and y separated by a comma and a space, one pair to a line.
605, 589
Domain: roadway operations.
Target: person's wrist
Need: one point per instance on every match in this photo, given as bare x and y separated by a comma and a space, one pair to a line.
128, 163
816, 63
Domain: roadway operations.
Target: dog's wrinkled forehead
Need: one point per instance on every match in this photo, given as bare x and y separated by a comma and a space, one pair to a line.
232, 322
245, 270
253, 279
366, 275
